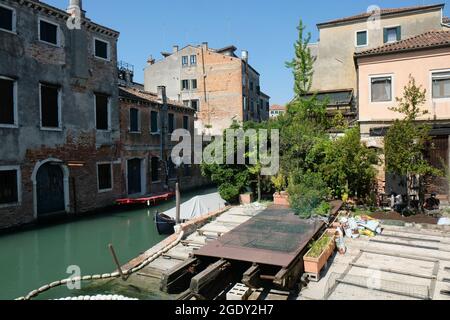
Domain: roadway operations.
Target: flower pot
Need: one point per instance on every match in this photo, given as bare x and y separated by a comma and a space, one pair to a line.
246, 198
315, 265
281, 199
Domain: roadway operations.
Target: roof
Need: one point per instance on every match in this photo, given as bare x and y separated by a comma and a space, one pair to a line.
430, 39
147, 97
51, 10
383, 12
340, 97
277, 107
264, 95
227, 48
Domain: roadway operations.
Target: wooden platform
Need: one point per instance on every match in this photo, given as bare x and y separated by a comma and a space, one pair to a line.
274, 237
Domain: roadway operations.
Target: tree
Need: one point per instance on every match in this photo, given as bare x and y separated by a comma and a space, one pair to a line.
302, 63
405, 141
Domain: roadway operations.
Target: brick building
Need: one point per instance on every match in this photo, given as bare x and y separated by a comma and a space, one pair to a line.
59, 120
218, 84
146, 122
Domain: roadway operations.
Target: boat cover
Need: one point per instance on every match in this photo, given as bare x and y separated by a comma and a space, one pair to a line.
198, 206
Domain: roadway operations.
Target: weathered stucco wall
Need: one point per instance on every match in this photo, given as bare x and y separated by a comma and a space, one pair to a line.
335, 67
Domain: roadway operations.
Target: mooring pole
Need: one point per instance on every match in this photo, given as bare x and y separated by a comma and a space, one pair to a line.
178, 203
116, 261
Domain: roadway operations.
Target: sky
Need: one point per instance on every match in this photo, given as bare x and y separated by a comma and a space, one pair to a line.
266, 28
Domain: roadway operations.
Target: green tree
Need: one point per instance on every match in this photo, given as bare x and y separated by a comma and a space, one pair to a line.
406, 140
302, 63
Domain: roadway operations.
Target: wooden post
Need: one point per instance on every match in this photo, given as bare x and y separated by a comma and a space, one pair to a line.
116, 261
178, 203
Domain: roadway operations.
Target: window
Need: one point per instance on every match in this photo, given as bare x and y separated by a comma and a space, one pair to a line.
186, 122
104, 176
251, 86
193, 60
381, 89
9, 185
184, 84
155, 169
7, 19
184, 61
154, 122
8, 99
50, 106
441, 84
361, 38
171, 122
186, 103
101, 49
195, 104
48, 32
392, 34
102, 112
194, 84
134, 120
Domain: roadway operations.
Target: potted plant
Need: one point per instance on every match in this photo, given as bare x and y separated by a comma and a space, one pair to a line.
321, 250
246, 198
281, 197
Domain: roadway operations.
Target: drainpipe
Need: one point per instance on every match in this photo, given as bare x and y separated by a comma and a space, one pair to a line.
162, 97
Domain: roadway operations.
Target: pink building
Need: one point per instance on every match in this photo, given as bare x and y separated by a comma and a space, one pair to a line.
384, 71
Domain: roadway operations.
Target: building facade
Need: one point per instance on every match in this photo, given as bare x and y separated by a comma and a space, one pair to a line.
277, 110
146, 123
218, 84
383, 73
335, 75
59, 120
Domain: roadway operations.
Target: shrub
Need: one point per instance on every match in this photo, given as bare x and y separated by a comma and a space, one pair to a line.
307, 194
229, 192
319, 246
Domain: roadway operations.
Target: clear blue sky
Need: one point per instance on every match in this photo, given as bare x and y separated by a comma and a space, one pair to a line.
266, 28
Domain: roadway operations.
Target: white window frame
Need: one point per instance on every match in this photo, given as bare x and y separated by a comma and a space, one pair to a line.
157, 123
374, 76
111, 164
138, 120
19, 186
444, 99
15, 105
109, 112
188, 84
190, 60
59, 128
108, 49
192, 84
391, 27
58, 32
356, 38
14, 19
187, 64
198, 104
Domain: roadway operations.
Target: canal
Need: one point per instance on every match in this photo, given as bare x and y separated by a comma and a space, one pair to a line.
32, 258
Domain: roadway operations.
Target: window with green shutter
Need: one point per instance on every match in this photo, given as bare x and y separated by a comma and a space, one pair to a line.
361, 38
392, 34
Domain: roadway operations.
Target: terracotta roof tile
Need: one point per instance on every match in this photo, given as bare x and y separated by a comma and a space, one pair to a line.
145, 96
383, 12
425, 40
277, 107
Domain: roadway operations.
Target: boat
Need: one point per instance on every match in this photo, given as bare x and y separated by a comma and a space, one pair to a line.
194, 208
164, 224
150, 200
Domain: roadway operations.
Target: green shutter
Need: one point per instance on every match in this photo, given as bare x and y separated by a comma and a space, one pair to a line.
385, 35
399, 33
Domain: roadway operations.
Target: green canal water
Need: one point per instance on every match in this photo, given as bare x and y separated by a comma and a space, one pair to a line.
33, 258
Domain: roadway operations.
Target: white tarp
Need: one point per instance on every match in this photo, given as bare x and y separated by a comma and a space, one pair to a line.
198, 206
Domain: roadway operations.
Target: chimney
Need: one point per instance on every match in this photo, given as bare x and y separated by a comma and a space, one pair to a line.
244, 55
162, 94
129, 77
150, 61
75, 5
175, 49
205, 45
